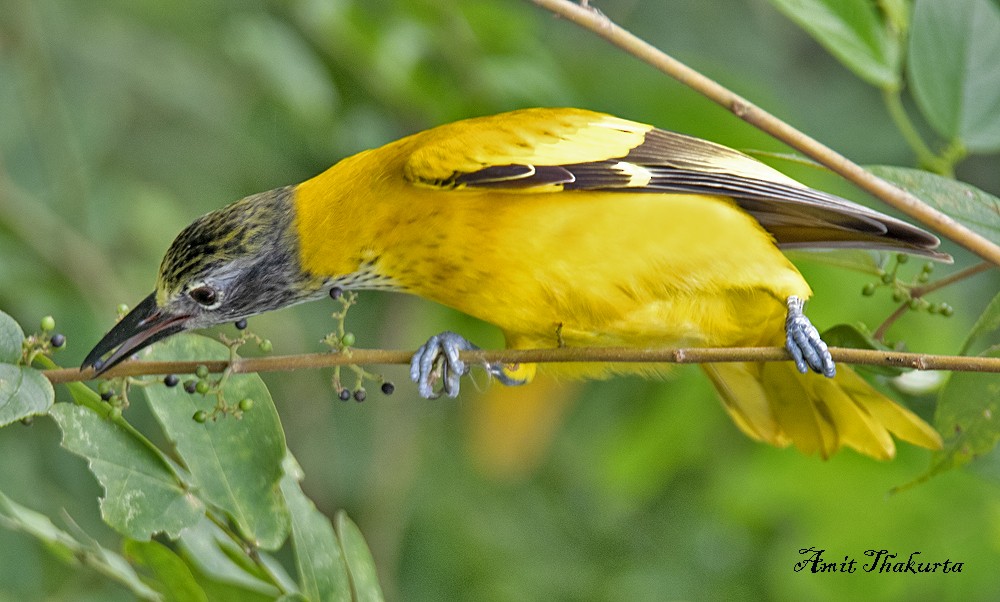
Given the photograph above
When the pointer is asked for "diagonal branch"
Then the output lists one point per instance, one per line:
(285, 363)
(593, 20)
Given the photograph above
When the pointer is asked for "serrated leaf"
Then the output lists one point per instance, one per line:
(360, 564)
(318, 557)
(142, 496)
(954, 70)
(973, 208)
(968, 414)
(69, 549)
(985, 332)
(856, 336)
(236, 463)
(23, 392)
(171, 575)
(11, 337)
(852, 31)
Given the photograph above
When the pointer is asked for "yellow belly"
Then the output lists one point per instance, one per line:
(586, 268)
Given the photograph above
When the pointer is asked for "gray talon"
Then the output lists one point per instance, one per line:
(437, 359)
(804, 343)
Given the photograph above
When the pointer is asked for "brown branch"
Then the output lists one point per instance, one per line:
(285, 363)
(596, 22)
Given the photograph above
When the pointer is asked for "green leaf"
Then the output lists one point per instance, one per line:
(973, 208)
(235, 463)
(986, 331)
(857, 336)
(968, 414)
(318, 557)
(69, 549)
(954, 69)
(852, 31)
(171, 575)
(213, 554)
(142, 496)
(23, 392)
(11, 337)
(360, 564)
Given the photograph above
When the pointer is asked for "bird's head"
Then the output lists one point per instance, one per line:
(235, 262)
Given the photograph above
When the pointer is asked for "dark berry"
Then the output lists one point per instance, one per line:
(360, 395)
(336, 292)
(344, 395)
(388, 388)
(171, 380)
(190, 385)
(107, 395)
(241, 324)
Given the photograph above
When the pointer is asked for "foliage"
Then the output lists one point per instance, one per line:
(124, 121)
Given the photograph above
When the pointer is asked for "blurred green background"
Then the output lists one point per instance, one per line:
(121, 121)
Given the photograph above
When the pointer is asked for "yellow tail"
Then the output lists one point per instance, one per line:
(773, 402)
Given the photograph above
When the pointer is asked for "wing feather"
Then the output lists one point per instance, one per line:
(546, 150)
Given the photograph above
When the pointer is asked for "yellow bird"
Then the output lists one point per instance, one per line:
(561, 227)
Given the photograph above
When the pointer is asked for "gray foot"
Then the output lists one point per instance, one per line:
(803, 342)
(437, 359)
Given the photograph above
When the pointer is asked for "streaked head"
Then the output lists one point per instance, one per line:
(235, 262)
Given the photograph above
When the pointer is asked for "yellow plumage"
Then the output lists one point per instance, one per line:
(561, 227)
(589, 267)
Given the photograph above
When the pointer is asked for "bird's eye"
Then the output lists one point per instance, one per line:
(204, 295)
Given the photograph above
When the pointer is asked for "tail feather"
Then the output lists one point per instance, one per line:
(773, 403)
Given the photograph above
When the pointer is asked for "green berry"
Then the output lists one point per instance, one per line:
(947, 310)
(928, 268)
(122, 308)
(201, 387)
(902, 258)
(388, 388)
(266, 346)
(360, 394)
(897, 296)
(190, 385)
(246, 404)
(115, 413)
(868, 290)
(28, 420)
(58, 340)
(171, 380)
(344, 395)
(923, 277)
(241, 324)
(48, 324)
(914, 303)
(348, 339)
(200, 416)
(887, 278)
(201, 371)
(103, 387)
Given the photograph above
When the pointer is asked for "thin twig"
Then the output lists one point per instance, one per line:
(919, 291)
(285, 363)
(598, 23)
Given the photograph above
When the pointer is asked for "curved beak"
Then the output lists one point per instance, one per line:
(143, 326)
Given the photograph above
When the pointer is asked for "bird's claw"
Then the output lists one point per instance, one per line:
(437, 360)
(804, 343)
